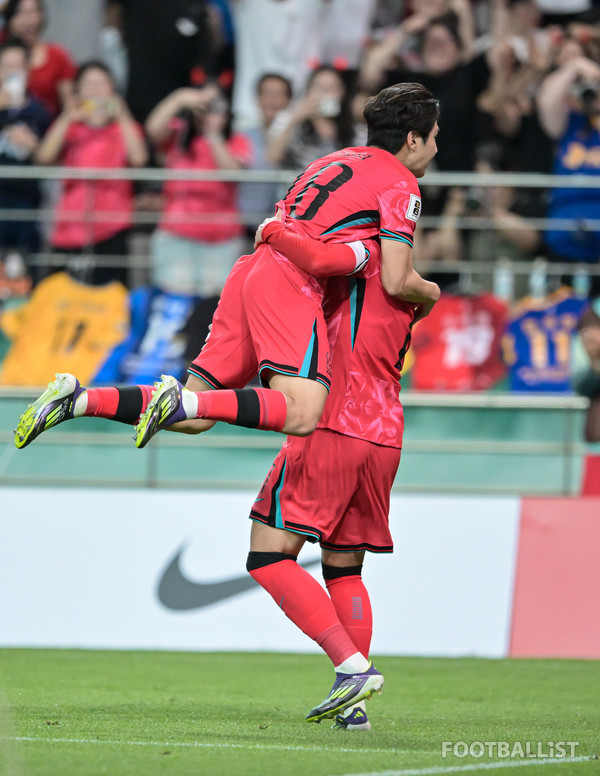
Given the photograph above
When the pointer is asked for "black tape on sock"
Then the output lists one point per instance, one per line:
(336, 572)
(256, 560)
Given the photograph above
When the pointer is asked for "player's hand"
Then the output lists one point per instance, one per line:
(258, 240)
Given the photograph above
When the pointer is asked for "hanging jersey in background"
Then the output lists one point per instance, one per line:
(156, 342)
(537, 343)
(458, 346)
(66, 326)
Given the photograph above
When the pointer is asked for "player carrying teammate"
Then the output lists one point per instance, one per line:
(334, 486)
(270, 317)
(402, 123)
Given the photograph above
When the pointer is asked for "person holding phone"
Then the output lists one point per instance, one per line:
(320, 123)
(23, 121)
(93, 217)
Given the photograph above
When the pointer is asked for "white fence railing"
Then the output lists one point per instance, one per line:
(466, 223)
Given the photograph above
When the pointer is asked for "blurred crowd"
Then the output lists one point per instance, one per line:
(231, 85)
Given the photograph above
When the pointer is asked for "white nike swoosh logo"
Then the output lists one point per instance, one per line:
(178, 593)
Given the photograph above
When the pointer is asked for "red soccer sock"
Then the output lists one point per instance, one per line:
(353, 606)
(249, 407)
(307, 605)
(122, 404)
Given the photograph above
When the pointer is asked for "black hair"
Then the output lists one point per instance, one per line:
(15, 43)
(92, 64)
(344, 122)
(398, 110)
(449, 21)
(11, 8)
(285, 81)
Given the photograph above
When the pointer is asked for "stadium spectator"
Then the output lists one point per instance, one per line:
(569, 106)
(273, 94)
(321, 122)
(445, 66)
(507, 234)
(94, 216)
(169, 44)
(200, 235)
(51, 70)
(272, 37)
(510, 101)
(343, 33)
(509, 210)
(23, 121)
(401, 45)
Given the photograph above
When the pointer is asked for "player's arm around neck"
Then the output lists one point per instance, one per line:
(400, 279)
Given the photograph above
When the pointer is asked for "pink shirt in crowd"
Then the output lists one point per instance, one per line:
(43, 81)
(82, 201)
(203, 210)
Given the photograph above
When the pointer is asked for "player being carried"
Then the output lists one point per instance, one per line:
(270, 321)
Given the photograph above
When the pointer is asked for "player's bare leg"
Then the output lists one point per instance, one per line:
(265, 538)
(305, 402)
(342, 574)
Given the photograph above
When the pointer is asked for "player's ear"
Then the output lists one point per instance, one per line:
(412, 140)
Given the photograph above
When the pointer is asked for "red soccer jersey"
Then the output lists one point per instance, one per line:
(369, 335)
(374, 195)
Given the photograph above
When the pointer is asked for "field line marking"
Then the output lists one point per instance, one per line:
(443, 769)
(201, 745)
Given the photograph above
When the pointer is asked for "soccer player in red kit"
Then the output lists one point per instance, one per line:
(268, 321)
(334, 486)
(270, 316)
(362, 438)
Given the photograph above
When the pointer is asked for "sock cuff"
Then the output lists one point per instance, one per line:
(257, 560)
(336, 572)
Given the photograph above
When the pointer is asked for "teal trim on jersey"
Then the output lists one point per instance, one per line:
(356, 222)
(278, 517)
(305, 368)
(396, 237)
(295, 530)
(352, 300)
(291, 374)
(278, 370)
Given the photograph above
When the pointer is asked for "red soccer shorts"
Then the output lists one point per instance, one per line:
(333, 488)
(263, 323)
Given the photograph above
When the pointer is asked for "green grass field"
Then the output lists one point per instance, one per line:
(88, 713)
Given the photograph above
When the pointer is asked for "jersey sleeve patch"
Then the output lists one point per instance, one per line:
(399, 209)
(413, 211)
